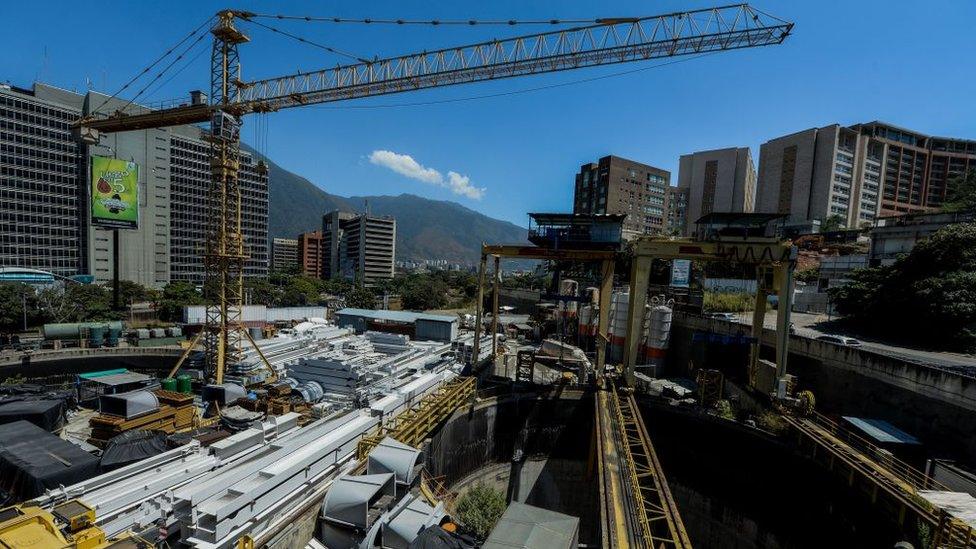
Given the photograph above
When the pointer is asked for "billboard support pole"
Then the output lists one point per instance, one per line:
(116, 298)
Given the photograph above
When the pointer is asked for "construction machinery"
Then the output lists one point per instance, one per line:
(68, 525)
(601, 42)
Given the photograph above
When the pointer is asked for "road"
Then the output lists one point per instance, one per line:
(810, 325)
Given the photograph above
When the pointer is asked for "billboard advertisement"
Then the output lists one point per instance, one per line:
(680, 273)
(114, 192)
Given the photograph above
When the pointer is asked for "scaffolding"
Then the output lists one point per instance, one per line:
(413, 426)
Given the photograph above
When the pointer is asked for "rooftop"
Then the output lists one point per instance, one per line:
(395, 316)
(533, 528)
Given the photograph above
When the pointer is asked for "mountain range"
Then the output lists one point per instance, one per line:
(426, 228)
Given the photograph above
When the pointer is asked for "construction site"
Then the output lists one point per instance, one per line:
(619, 417)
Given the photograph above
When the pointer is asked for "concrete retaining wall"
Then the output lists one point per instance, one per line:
(934, 405)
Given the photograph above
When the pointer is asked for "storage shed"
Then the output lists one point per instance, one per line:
(419, 326)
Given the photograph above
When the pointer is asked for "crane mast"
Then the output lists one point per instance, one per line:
(608, 41)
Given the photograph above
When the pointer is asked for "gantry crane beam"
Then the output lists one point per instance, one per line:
(610, 41)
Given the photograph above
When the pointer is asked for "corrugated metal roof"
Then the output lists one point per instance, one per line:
(881, 430)
(121, 379)
(533, 528)
(395, 316)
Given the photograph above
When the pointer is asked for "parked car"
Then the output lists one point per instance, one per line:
(728, 317)
(839, 340)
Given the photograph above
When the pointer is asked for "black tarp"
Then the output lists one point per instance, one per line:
(33, 460)
(132, 446)
(46, 414)
(435, 537)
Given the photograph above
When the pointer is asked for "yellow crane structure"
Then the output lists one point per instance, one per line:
(600, 42)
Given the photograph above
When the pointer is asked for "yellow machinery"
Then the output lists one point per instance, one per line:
(68, 525)
(605, 41)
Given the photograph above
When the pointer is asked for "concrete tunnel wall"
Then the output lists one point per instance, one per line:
(555, 435)
(934, 405)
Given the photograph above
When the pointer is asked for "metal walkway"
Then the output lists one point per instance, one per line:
(636, 506)
(886, 480)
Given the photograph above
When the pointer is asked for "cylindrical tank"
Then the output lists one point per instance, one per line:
(256, 333)
(96, 335)
(168, 384)
(71, 330)
(657, 335)
(568, 287)
(184, 383)
(618, 324)
(112, 336)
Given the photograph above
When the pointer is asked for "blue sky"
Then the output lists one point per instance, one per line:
(904, 62)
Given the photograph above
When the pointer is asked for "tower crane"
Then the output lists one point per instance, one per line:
(604, 42)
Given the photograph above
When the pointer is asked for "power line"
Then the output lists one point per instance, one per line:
(309, 42)
(514, 92)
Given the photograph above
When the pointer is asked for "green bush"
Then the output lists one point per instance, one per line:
(734, 302)
(480, 508)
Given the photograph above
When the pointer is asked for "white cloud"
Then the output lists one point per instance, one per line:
(461, 184)
(405, 165)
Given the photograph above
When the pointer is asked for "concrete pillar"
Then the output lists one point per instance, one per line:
(758, 318)
(476, 349)
(784, 287)
(639, 272)
(606, 293)
(496, 279)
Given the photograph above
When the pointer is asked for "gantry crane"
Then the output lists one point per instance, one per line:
(603, 42)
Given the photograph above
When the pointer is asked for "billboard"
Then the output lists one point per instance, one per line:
(114, 192)
(680, 273)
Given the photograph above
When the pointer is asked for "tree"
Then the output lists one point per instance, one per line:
(175, 296)
(961, 193)
(133, 292)
(833, 222)
(13, 297)
(300, 290)
(928, 295)
(56, 305)
(360, 297)
(423, 293)
(480, 508)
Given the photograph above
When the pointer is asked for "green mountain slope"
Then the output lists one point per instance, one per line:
(426, 229)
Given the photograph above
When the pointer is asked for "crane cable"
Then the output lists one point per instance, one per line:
(153, 64)
(309, 42)
(433, 22)
(162, 72)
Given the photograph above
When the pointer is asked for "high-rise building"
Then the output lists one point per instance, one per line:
(45, 212)
(41, 208)
(676, 206)
(858, 173)
(616, 185)
(359, 247)
(284, 254)
(310, 253)
(722, 180)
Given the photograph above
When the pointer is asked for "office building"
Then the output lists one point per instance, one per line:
(359, 247)
(722, 180)
(284, 254)
(616, 185)
(310, 253)
(676, 207)
(858, 173)
(892, 237)
(41, 210)
(45, 212)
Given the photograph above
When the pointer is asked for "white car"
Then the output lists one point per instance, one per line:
(728, 317)
(840, 340)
